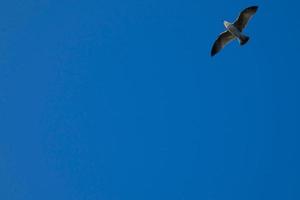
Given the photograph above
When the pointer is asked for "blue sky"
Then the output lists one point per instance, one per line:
(120, 100)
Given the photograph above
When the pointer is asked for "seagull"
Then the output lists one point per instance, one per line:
(234, 30)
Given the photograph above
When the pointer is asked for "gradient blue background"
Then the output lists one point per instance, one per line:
(120, 100)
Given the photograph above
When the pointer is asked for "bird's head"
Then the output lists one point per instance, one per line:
(226, 23)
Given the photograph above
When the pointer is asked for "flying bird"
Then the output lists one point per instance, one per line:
(234, 30)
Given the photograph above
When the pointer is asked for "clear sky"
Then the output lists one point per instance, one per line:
(120, 100)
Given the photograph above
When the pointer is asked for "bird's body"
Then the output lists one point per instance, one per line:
(236, 33)
(234, 30)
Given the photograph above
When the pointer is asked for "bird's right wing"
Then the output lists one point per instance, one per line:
(244, 17)
(223, 39)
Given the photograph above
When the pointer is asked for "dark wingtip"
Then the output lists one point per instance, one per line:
(254, 8)
(212, 53)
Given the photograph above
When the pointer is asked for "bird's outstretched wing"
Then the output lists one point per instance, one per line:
(244, 17)
(223, 39)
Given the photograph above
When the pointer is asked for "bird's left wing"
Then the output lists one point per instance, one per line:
(244, 17)
(223, 39)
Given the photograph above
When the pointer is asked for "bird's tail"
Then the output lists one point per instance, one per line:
(244, 39)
